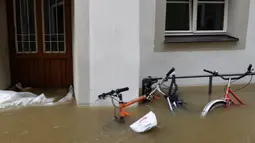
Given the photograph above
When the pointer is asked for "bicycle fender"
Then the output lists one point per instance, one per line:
(209, 105)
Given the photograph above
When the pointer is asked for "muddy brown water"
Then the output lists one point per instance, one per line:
(71, 124)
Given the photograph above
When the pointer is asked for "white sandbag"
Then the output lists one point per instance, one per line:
(41, 100)
(6, 96)
(145, 123)
(26, 101)
(10, 96)
(11, 99)
(68, 97)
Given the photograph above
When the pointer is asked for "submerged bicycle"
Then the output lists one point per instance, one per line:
(149, 96)
(172, 97)
(226, 101)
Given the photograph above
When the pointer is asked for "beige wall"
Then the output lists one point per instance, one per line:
(4, 55)
(190, 59)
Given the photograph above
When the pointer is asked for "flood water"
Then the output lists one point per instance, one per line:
(71, 124)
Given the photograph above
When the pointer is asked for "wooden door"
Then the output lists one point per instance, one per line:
(40, 42)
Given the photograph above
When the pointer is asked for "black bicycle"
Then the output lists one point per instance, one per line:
(172, 97)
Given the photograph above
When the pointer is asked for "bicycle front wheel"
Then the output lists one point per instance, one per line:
(212, 106)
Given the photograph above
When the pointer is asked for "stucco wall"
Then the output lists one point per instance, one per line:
(106, 48)
(114, 47)
(81, 55)
(4, 55)
(191, 59)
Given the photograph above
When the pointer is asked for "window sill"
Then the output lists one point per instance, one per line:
(199, 38)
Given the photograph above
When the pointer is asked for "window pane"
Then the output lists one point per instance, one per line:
(46, 14)
(20, 47)
(19, 37)
(177, 16)
(60, 19)
(54, 20)
(24, 15)
(18, 17)
(32, 46)
(210, 16)
(26, 46)
(31, 16)
(32, 38)
(61, 46)
(25, 38)
(54, 31)
(47, 38)
(54, 38)
(47, 46)
(61, 38)
(54, 46)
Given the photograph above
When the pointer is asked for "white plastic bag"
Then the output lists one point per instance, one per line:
(145, 123)
(10, 96)
(11, 99)
(68, 97)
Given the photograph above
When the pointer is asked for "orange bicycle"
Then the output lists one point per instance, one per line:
(117, 96)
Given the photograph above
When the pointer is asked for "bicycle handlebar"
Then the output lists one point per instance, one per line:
(249, 69)
(170, 71)
(208, 71)
(154, 80)
(117, 91)
(121, 90)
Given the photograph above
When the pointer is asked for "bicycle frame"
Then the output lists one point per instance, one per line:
(158, 88)
(123, 104)
(168, 96)
(227, 97)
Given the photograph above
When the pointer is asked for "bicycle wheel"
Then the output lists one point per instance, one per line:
(213, 106)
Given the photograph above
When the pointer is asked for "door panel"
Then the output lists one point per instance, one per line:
(40, 42)
(56, 72)
(28, 71)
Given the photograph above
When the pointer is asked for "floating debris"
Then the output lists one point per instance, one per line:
(5, 133)
(23, 133)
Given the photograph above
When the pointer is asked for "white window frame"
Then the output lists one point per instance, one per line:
(193, 5)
